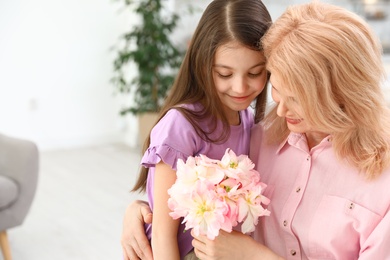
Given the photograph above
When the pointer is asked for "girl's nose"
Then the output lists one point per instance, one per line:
(240, 85)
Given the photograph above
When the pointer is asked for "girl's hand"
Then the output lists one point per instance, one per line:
(135, 244)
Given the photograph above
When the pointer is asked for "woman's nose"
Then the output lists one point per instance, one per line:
(282, 109)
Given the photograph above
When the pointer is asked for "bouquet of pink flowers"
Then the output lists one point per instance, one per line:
(217, 194)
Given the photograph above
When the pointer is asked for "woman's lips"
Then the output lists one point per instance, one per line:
(293, 121)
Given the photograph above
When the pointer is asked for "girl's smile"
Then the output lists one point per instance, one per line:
(242, 99)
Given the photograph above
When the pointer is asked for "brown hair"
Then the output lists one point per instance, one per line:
(244, 21)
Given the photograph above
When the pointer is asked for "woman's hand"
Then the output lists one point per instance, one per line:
(135, 244)
(234, 245)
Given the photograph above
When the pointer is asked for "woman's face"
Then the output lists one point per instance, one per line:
(239, 76)
(290, 109)
(288, 106)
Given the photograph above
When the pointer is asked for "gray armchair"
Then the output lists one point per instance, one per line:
(19, 160)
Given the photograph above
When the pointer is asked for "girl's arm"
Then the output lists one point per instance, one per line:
(234, 245)
(164, 227)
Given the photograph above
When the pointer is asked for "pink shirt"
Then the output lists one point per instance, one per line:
(321, 207)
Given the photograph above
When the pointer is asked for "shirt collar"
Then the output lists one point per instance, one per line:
(299, 141)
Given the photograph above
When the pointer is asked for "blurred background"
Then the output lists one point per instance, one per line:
(56, 62)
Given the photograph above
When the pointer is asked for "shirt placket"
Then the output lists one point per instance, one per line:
(293, 250)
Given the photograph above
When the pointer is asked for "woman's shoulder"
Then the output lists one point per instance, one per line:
(258, 128)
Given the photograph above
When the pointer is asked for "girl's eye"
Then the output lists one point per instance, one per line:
(224, 75)
(257, 74)
(253, 75)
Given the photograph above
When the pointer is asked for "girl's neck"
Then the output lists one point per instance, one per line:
(234, 118)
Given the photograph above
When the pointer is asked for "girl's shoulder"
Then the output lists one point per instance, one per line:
(171, 138)
(247, 117)
(173, 119)
(175, 111)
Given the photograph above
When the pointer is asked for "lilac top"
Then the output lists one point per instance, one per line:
(174, 137)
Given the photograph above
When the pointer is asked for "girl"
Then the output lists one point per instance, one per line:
(207, 109)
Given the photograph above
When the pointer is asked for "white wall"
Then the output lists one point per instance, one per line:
(55, 66)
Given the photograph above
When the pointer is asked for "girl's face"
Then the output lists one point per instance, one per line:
(239, 76)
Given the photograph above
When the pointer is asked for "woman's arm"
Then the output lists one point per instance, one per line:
(234, 245)
(376, 246)
(134, 242)
(164, 227)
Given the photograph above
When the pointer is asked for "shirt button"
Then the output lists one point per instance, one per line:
(285, 223)
(298, 189)
(308, 158)
(293, 252)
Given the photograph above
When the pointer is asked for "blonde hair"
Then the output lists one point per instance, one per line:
(331, 60)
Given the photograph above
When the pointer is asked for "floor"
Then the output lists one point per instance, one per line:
(78, 209)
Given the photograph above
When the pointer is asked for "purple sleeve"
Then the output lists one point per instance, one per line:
(172, 138)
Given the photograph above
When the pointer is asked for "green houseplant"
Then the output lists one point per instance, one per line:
(149, 46)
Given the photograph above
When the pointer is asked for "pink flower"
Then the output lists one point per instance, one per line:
(206, 212)
(250, 208)
(212, 195)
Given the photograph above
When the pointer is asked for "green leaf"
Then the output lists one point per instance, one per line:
(154, 53)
